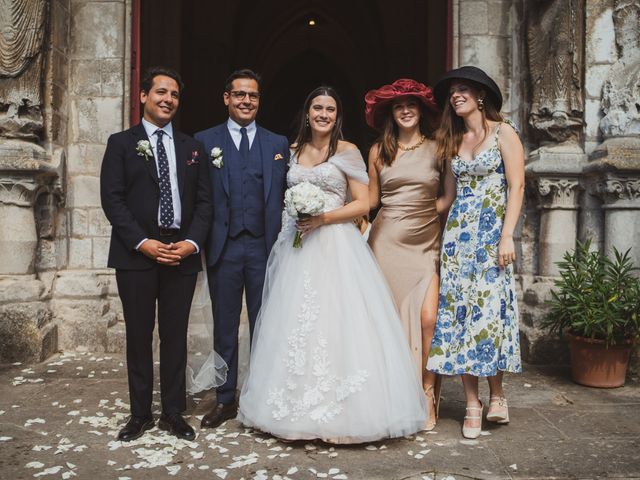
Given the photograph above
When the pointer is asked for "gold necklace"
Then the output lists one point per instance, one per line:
(412, 147)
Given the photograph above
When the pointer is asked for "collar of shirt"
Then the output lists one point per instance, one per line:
(150, 128)
(234, 130)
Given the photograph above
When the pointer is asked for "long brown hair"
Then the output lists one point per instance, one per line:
(304, 130)
(387, 142)
(452, 128)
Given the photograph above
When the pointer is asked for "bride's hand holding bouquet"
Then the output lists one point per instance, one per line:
(304, 202)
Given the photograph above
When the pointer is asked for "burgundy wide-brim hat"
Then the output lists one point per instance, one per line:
(441, 90)
(377, 100)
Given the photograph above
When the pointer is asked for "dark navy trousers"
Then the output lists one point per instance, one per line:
(241, 268)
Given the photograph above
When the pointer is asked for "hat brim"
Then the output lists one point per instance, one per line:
(474, 74)
(376, 117)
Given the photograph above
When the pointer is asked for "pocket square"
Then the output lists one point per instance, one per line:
(278, 157)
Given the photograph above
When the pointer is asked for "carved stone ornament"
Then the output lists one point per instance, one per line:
(558, 192)
(614, 189)
(22, 31)
(621, 90)
(555, 45)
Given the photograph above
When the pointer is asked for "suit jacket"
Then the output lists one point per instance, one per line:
(130, 194)
(274, 152)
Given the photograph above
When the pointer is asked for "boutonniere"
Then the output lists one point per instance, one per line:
(195, 155)
(143, 148)
(216, 157)
(278, 157)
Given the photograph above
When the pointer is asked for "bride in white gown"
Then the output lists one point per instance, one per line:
(329, 358)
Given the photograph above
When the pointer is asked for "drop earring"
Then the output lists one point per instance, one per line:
(307, 120)
(480, 104)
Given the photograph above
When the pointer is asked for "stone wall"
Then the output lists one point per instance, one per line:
(83, 302)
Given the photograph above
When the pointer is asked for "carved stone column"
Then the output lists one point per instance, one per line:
(616, 177)
(25, 328)
(555, 176)
(615, 165)
(558, 220)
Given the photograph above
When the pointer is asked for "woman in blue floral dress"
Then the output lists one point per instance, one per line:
(476, 332)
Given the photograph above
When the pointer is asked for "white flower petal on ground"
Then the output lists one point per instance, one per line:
(197, 455)
(342, 476)
(371, 447)
(34, 465)
(49, 471)
(513, 466)
(333, 471)
(292, 470)
(41, 448)
(261, 475)
(173, 469)
(244, 460)
(5, 439)
(220, 472)
(32, 421)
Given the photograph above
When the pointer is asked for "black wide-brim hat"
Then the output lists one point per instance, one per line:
(441, 90)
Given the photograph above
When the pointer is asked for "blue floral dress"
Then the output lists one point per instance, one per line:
(477, 327)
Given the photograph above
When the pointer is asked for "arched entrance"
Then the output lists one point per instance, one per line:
(295, 46)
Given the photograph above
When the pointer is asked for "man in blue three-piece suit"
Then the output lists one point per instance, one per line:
(248, 167)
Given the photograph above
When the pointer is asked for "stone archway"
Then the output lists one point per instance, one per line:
(295, 46)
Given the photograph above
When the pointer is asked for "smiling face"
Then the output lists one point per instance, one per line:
(463, 98)
(322, 114)
(161, 102)
(243, 101)
(406, 112)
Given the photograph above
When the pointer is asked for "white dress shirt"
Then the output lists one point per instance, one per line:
(236, 136)
(167, 140)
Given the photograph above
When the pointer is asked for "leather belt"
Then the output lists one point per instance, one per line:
(168, 232)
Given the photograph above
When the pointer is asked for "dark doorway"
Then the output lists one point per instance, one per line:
(296, 46)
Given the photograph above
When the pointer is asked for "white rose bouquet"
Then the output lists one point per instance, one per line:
(303, 200)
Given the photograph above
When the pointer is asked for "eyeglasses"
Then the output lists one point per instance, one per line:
(241, 95)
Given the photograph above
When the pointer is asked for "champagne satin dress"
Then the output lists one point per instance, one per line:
(405, 235)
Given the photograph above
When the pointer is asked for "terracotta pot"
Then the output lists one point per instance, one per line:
(594, 365)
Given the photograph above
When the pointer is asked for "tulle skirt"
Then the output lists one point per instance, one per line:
(329, 357)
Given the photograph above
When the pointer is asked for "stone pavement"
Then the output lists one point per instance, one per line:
(59, 419)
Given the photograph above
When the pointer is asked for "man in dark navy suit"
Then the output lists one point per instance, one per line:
(155, 191)
(248, 167)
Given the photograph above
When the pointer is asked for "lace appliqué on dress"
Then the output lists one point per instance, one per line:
(320, 401)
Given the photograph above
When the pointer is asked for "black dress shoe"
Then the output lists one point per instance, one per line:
(218, 415)
(176, 425)
(134, 428)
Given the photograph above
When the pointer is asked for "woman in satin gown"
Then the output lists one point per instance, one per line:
(404, 175)
(329, 359)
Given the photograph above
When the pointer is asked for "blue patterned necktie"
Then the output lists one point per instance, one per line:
(244, 144)
(166, 200)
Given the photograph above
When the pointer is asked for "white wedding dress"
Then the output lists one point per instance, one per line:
(329, 358)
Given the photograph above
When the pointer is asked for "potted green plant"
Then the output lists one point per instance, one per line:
(596, 301)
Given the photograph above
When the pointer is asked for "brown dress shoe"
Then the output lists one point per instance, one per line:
(218, 415)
